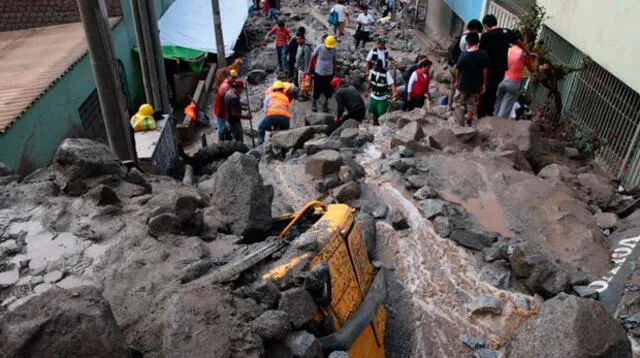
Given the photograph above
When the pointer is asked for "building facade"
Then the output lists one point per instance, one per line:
(68, 105)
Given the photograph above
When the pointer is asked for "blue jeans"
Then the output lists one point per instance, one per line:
(221, 124)
(283, 61)
(272, 123)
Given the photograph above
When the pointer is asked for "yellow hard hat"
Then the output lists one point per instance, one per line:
(146, 110)
(278, 85)
(233, 73)
(330, 42)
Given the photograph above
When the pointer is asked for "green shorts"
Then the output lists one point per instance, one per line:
(378, 107)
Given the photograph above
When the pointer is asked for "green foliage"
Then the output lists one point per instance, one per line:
(531, 23)
(586, 141)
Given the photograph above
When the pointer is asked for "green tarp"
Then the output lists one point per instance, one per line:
(194, 58)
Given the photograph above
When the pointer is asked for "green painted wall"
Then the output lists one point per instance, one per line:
(31, 142)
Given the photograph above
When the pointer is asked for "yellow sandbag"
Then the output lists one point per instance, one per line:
(143, 123)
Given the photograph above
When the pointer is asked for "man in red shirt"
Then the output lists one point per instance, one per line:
(219, 109)
(283, 35)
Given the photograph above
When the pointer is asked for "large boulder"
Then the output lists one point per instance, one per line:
(570, 327)
(205, 321)
(257, 76)
(63, 323)
(241, 199)
(505, 134)
(78, 158)
(318, 118)
(324, 163)
(295, 138)
(313, 146)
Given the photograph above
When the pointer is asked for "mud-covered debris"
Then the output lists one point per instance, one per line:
(484, 353)
(473, 342)
(565, 328)
(316, 145)
(299, 305)
(425, 192)
(380, 211)
(297, 137)
(257, 76)
(164, 224)
(59, 322)
(318, 118)
(398, 220)
(586, 291)
(484, 304)
(472, 240)
(330, 182)
(231, 270)
(271, 324)
(347, 192)
(346, 174)
(240, 198)
(607, 220)
(403, 164)
(496, 275)
(431, 208)
(303, 345)
(264, 292)
(324, 163)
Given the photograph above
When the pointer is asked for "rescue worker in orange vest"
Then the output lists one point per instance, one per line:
(418, 87)
(278, 115)
(290, 90)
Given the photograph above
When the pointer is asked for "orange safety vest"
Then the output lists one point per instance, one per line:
(279, 105)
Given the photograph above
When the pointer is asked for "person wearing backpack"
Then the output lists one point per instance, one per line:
(340, 19)
(381, 85)
(457, 47)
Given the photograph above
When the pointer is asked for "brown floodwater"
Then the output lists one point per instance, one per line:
(485, 208)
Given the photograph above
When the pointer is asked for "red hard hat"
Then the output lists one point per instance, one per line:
(336, 82)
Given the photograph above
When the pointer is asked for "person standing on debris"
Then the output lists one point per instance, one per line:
(496, 42)
(303, 59)
(219, 109)
(472, 72)
(234, 108)
(278, 113)
(340, 9)
(380, 52)
(282, 39)
(381, 84)
(418, 87)
(323, 65)
(348, 97)
(363, 31)
(292, 52)
(510, 88)
(458, 47)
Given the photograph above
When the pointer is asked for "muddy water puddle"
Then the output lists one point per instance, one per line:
(485, 208)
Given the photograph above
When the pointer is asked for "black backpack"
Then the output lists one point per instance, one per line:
(454, 52)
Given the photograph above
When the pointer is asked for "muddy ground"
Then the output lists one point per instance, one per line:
(494, 241)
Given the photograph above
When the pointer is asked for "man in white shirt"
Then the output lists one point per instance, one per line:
(342, 12)
(378, 53)
(364, 26)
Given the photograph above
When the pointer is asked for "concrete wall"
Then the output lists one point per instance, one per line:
(604, 30)
(438, 24)
(31, 141)
(25, 14)
(468, 10)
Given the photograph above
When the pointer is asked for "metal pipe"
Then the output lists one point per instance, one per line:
(151, 56)
(142, 51)
(159, 59)
(105, 72)
(217, 28)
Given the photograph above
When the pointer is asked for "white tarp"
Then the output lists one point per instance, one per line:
(189, 23)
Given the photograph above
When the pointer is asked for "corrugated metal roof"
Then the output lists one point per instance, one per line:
(32, 60)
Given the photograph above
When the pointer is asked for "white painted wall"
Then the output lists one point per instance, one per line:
(605, 30)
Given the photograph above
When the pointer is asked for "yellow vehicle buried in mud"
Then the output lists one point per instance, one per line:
(328, 241)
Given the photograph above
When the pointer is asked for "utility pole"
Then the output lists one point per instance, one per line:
(107, 77)
(217, 28)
